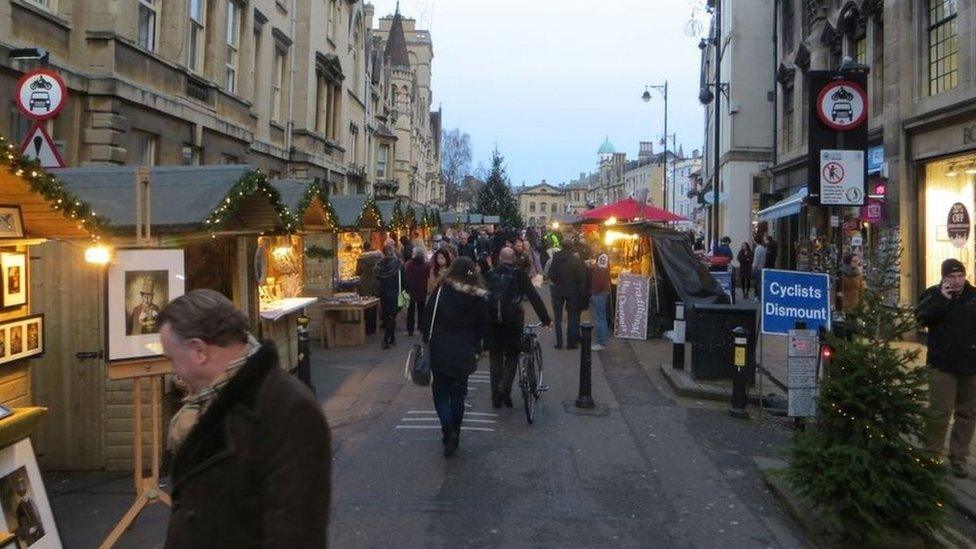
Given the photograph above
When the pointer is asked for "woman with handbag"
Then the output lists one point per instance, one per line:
(455, 318)
(389, 273)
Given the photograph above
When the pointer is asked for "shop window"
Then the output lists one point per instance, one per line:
(198, 35)
(943, 43)
(147, 25)
(946, 184)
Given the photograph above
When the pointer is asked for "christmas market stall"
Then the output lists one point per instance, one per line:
(358, 220)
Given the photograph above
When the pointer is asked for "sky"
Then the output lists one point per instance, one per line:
(548, 80)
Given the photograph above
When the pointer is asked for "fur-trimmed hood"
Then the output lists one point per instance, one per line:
(467, 288)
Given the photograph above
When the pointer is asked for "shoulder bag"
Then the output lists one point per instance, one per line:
(417, 368)
(403, 297)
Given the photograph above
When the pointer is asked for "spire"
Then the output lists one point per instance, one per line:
(396, 44)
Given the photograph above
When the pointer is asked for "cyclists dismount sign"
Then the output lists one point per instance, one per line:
(41, 94)
(842, 105)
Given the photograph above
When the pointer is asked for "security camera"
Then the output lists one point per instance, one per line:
(705, 96)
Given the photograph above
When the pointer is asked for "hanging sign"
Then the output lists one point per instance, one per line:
(873, 211)
(842, 105)
(841, 178)
(41, 94)
(39, 146)
(633, 297)
(958, 224)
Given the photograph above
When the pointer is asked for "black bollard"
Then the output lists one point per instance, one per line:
(678, 346)
(585, 398)
(304, 359)
(740, 348)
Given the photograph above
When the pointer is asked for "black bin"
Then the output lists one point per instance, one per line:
(710, 329)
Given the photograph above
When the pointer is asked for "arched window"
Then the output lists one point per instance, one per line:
(532, 206)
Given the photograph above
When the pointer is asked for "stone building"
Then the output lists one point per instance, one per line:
(539, 203)
(281, 85)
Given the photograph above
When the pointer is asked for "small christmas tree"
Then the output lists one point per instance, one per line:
(495, 196)
(859, 463)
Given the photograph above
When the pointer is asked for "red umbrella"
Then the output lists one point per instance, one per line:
(629, 208)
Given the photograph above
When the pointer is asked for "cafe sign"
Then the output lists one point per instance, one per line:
(958, 224)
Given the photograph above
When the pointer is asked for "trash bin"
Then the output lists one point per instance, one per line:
(710, 327)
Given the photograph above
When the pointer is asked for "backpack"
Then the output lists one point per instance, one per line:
(504, 297)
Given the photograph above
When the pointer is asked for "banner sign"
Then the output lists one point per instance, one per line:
(633, 297)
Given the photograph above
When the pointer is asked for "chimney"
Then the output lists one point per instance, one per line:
(646, 150)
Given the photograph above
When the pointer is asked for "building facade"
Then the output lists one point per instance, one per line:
(292, 88)
(539, 203)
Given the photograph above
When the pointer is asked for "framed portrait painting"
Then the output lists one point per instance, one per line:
(13, 269)
(26, 511)
(11, 222)
(140, 283)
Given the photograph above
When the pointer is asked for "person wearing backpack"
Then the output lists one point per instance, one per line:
(508, 286)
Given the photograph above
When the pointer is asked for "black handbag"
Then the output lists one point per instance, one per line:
(418, 361)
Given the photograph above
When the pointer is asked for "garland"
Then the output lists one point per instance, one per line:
(397, 221)
(316, 188)
(369, 205)
(410, 216)
(48, 186)
(252, 182)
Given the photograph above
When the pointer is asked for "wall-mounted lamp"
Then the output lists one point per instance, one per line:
(98, 255)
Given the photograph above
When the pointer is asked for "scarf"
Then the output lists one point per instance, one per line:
(196, 404)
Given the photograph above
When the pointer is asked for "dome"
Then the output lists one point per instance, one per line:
(606, 147)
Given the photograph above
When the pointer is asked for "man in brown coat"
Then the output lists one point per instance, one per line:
(251, 451)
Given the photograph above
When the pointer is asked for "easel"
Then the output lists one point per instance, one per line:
(147, 488)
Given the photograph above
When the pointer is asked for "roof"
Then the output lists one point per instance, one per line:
(349, 208)
(183, 197)
(307, 201)
(396, 45)
(607, 147)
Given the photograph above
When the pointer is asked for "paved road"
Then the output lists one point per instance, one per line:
(648, 473)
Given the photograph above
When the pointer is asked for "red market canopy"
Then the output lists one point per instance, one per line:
(629, 208)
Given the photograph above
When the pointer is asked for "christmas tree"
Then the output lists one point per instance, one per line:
(859, 463)
(495, 196)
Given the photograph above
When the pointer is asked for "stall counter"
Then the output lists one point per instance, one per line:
(279, 323)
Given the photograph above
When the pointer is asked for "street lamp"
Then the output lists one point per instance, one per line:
(647, 99)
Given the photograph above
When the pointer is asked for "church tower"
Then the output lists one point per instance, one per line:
(402, 84)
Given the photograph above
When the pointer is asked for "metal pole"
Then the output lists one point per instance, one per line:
(585, 398)
(665, 167)
(680, 328)
(718, 136)
(304, 356)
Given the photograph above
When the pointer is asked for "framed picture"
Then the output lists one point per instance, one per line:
(21, 338)
(26, 510)
(13, 276)
(140, 283)
(11, 222)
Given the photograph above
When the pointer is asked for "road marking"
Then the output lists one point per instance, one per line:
(465, 413)
(485, 429)
(436, 419)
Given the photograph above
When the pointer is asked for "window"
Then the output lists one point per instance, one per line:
(46, 4)
(788, 106)
(789, 19)
(19, 125)
(198, 34)
(554, 208)
(233, 44)
(532, 221)
(356, 69)
(321, 102)
(190, 155)
(877, 68)
(382, 157)
(147, 25)
(861, 50)
(354, 135)
(229, 159)
(333, 16)
(943, 45)
(143, 152)
(532, 206)
(278, 68)
(542, 206)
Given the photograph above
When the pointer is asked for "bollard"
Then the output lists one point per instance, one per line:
(678, 347)
(740, 398)
(585, 398)
(304, 359)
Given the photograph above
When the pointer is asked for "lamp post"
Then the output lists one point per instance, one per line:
(647, 98)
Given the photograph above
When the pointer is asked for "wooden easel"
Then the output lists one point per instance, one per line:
(147, 488)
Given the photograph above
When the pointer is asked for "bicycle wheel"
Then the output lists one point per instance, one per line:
(528, 392)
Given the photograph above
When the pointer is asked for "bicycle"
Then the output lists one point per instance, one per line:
(530, 370)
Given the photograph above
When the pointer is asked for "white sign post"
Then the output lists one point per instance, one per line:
(841, 178)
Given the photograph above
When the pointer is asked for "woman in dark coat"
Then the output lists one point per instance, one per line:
(458, 310)
(389, 272)
(417, 272)
(745, 258)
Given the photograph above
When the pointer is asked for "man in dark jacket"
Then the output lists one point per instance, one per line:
(389, 272)
(948, 310)
(251, 447)
(466, 248)
(508, 287)
(567, 273)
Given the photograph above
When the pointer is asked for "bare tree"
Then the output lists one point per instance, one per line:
(455, 163)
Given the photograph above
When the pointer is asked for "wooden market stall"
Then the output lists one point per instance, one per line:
(216, 215)
(358, 220)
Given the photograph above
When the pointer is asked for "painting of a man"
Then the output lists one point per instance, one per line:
(18, 504)
(32, 336)
(146, 293)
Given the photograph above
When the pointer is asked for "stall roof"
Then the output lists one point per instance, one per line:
(451, 218)
(307, 202)
(348, 210)
(491, 219)
(184, 198)
(788, 206)
(386, 210)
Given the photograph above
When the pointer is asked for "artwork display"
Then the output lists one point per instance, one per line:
(140, 283)
(26, 510)
(21, 338)
(13, 270)
(11, 222)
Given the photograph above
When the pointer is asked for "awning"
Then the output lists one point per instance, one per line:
(788, 206)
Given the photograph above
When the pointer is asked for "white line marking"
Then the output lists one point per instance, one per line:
(480, 421)
(465, 413)
(420, 419)
(487, 429)
(480, 414)
(419, 427)
(421, 412)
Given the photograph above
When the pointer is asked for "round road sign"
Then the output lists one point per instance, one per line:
(842, 105)
(41, 94)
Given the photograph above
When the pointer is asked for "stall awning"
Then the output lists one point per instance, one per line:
(788, 206)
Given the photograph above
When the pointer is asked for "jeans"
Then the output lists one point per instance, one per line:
(418, 306)
(572, 319)
(503, 354)
(598, 310)
(449, 393)
(952, 395)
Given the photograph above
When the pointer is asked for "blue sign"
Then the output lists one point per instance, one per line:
(875, 158)
(789, 297)
(724, 279)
